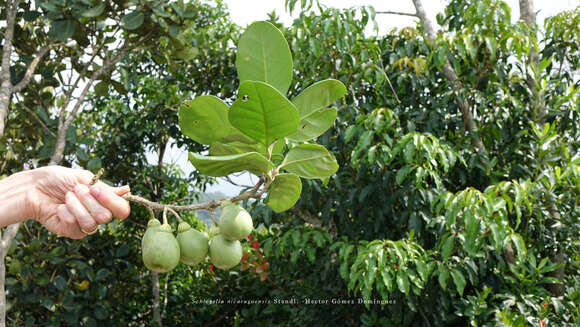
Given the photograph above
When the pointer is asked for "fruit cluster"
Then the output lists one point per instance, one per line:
(162, 251)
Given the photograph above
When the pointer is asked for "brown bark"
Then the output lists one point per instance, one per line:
(31, 68)
(451, 75)
(528, 16)
(156, 306)
(5, 94)
(6, 240)
(5, 83)
(557, 289)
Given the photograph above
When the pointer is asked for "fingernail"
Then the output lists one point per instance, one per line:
(96, 191)
(126, 188)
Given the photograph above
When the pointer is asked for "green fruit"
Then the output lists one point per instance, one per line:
(193, 244)
(235, 222)
(161, 250)
(225, 254)
(152, 227)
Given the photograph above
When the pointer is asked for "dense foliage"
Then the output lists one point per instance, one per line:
(418, 224)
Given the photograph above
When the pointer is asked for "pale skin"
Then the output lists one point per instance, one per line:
(62, 200)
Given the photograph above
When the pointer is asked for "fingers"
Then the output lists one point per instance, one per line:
(120, 191)
(111, 199)
(68, 224)
(100, 214)
(81, 214)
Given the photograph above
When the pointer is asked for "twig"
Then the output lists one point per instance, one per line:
(42, 124)
(251, 194)
(212, 216)
(165, 215)
(390, 84)
(151, 213)
(174, 213)
(31, 68)
(397, 13)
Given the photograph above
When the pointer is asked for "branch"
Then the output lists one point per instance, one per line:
(7, 238)
(5, 83)
(64, 125)
(451, 75)
(397, 13)
(254, 193)
(31, 68)
(33, 114)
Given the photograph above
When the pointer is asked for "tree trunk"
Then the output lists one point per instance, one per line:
(157, 196)
(449, 72)
(528, 16)
(5, 95)
(156, 302)
(6, 240)
(5, 82)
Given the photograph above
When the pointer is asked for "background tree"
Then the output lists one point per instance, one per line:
(87, 40)
(418, 216)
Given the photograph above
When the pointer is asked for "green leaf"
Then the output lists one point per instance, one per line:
(284, 192)
(94, 164)
(447, 247)
(94, 11)
(520, 245)
(174, 30)
(262, 113)
(31, 15)
(59, 282)
(62, 29)
(314, 125)
(422, 270)
(402, 174)
(235, 147)
(205, 119)
(187, 54)
(403, 282)
(459, 281)
(310, 161)
(318, 96)
(102, 88)
(264, 55)
(387, 279)
(102, 274)
(133, 20)
(225, 165)
(443, 276)
(82, 154)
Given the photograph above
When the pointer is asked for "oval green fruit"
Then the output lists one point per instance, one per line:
(152, 227)
(161, 250)
(235, 222)
(225, 254)
(193, 244)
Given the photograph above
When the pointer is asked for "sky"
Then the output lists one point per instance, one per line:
(244, 12)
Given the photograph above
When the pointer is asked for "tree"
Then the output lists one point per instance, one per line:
(416, 221)
(86, 48)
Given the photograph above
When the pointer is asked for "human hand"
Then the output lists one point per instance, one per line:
(64, 203)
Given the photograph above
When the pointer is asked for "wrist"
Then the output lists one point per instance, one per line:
(16, 198)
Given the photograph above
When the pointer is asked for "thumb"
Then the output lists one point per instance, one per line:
(120, 191)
